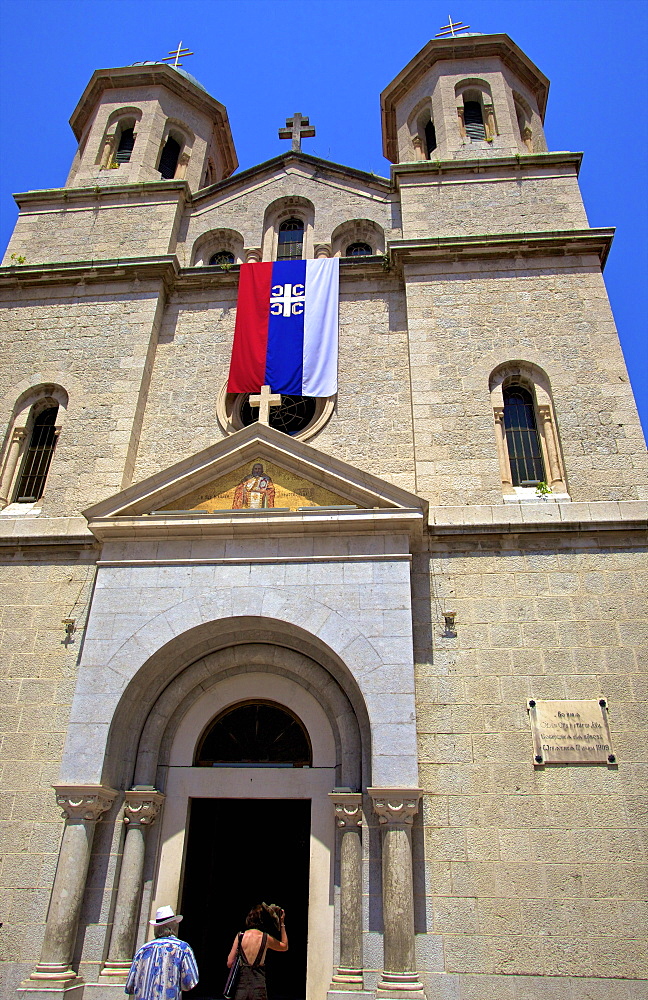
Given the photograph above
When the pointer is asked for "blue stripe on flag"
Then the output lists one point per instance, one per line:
(285, 355)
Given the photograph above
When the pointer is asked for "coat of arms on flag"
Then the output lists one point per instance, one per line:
(286, 333)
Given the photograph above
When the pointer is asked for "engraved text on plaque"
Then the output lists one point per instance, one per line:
(570, 732)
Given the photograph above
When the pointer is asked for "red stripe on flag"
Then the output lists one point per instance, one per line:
(247, 367)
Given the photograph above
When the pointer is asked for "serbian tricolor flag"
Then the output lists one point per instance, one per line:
(286, 333)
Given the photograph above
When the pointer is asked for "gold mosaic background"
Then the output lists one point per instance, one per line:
(290, 490)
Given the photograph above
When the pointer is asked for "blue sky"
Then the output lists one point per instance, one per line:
(329, 59)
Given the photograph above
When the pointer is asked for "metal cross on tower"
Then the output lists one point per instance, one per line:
(297, 128)
(448, 30)
(175, 55)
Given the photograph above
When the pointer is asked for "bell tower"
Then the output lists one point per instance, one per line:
(149, 122)
(464, 97)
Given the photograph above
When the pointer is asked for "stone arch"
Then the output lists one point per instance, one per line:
(279, 211)
(536, 381)
(214, 240)
(350, 734)
(357, 231)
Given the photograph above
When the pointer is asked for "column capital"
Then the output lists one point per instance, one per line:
(141, 806)
(84, 802)
(322, 250)
(396, 806)
(348, 808)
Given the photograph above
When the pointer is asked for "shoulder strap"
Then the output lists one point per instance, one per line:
(262, 947)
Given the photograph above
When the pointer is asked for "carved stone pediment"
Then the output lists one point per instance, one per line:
(256, 474)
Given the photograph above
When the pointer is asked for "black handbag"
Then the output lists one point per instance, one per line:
(232, 976)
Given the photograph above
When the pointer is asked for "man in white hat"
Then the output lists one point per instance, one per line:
(165, 967)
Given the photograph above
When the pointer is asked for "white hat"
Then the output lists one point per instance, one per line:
(165, 915)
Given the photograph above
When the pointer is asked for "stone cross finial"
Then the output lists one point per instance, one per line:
(297, 128)
(264, 400)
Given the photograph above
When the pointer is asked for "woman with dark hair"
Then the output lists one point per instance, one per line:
(265, 928)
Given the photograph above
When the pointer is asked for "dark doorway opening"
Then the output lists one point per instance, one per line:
(241, 852)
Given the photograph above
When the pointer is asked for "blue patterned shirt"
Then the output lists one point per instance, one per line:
(161, 969)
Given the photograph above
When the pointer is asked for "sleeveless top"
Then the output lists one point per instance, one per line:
(252, 976)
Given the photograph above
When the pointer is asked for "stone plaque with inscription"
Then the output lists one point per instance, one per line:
(570, 732)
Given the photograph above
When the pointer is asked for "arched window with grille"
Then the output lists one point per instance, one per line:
(169, 158)
(255, 734)
(430, 138)
(38, 458)
(125, 145)
(522, 439)
(474, 120)
(222, 258)
(358, 250)
(290, 244)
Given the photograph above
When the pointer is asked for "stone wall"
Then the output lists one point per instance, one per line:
(92, 224)
(533, 871)
(39, 586)
(507, 198)
(464, 320)
(371, 426)
(94, 340)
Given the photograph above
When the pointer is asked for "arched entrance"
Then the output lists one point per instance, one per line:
(243, 831)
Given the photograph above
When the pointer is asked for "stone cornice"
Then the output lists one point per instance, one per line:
(98, 192)
(561, 243)
(266, 523)
(164, 268)
(487, 164)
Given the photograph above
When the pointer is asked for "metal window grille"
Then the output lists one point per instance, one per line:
(221, 257)
(525, 454)
(291, 240)
(430, 138)
(293, 415)
(125, 147)
(259, 734)
(474, 120)
(169, 159)
(39, 456)
(358, 250)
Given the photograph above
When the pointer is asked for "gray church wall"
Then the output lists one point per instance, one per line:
(39, 586)
(509, 199)
(101, 337)
(371, 425)
(532, 871)
(97, 224)
(242, 206)
(467, 318)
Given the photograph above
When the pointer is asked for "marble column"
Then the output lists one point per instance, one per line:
(13, 454)
(396, 808)
(141, 807)
(348, 817)
(82, 806)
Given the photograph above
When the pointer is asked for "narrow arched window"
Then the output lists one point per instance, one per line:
(169, 159)
(525, 453)
(291, 240)
(474, 120)
(358, 250)
(125, 145)
(430, 138)
(221, 257)
(39, 456)
(255, 734)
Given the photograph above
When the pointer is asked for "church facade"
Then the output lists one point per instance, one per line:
(344, 654)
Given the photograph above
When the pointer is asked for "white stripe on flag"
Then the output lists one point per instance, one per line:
(321, 327)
